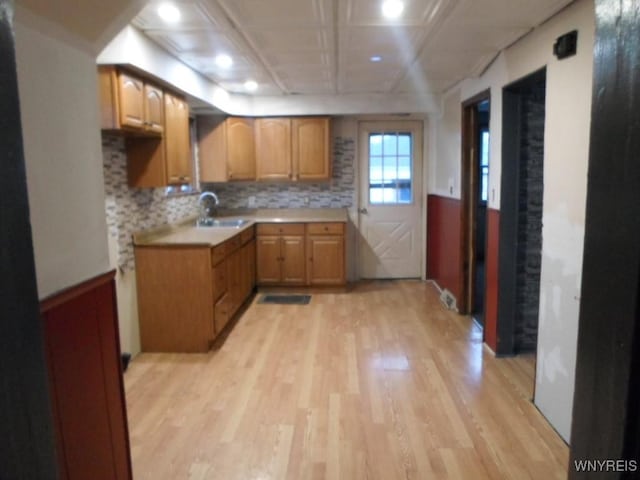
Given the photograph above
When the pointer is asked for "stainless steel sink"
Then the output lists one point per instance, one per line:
(213, 222)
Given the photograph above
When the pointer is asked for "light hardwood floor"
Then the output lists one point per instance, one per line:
(378, 383)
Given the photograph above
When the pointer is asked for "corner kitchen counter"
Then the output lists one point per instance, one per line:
(191, 281)
(186, 233)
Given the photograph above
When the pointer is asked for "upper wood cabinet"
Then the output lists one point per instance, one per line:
(310, 148)
(227, 149)
(273, 149)
(129, 103)
(241, 149)
(293, 149)
(177, 147)
(156, 124)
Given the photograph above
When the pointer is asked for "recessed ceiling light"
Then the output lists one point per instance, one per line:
(250, 85)
(224, 61)
(169, 13)
(392, 9)
(376, 58)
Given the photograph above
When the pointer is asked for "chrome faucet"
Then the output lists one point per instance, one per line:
(207, 211)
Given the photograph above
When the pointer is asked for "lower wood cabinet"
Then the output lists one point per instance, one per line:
(325, 254)
(188, 293)
(280, 251)
(83, 357)
(300, 254)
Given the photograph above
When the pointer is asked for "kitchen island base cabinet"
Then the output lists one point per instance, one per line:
(187, 294)
(175, 298)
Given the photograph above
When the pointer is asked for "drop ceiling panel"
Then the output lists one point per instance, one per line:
(255, 13)
(292, 39)
(206, 41)
(524, 13)
(325, 46)
(193, 16)
(366, 12)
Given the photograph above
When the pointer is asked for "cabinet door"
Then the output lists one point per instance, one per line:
(310, 144)
(293, 263)
(212, 148)
(326, 260)
(273, 149)
(153, 109)
(268, 259)
(131, 90)
(234, 280)
(176, 138)
(241, 149)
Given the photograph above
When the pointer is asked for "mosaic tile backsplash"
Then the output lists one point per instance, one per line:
(338, 193)
(130, 210)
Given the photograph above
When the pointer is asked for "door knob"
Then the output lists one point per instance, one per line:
(363, 211)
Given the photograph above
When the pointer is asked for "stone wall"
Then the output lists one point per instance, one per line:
(531, 185)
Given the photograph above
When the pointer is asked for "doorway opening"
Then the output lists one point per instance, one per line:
(475, 195)
(520, 253)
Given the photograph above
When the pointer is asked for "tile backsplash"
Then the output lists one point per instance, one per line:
(338, 193)
(130, 210)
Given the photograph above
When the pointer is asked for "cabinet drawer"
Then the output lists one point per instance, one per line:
(323, 228)
(247, 235)
(281, 229)
(219, 278)
(222, 312)
(233, 244)
(218, 253)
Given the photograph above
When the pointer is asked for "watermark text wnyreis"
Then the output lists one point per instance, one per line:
(605, 465)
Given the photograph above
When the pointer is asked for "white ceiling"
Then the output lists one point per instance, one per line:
(320, 47)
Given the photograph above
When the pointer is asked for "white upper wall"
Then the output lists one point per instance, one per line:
(61, 135)
(567, 130)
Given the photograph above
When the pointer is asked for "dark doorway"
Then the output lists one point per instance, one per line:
(27, 448)
(606, 404)
(475, 181)
(521, 214)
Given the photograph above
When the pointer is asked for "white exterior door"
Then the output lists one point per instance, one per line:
(390, 213)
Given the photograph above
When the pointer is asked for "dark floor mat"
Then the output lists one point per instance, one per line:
(285, 299)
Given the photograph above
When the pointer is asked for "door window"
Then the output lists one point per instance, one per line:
(390, 168)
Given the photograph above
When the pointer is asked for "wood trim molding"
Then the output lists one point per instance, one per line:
(72, 292)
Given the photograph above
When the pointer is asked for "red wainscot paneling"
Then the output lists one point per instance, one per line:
(83, 356)
(491, 289)
(443, 243)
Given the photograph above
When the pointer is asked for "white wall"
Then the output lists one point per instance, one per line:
(568, 105)
(61, 134)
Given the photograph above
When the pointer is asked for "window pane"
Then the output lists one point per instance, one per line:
(390, 169)
(404, 144)
(375, 170)
(375, 195)
(375, 144)
(390, 144)
(484, 155)
(404, 168)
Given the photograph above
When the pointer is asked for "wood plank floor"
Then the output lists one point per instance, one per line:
(378, 383)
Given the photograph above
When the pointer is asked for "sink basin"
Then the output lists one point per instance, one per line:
(213, 222)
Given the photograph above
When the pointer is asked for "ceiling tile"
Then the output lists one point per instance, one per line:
(292, 39)
(366, 12)
(194, 15)
(307, 13)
